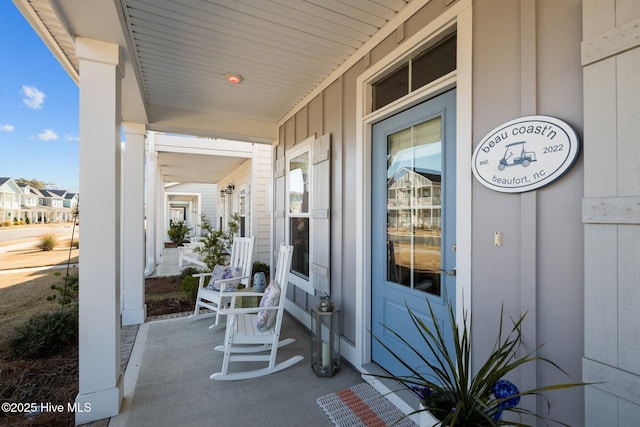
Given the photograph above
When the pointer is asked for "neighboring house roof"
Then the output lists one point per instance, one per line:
(51, 193)
(36, 192)
(431, 175)
(60, 193)
(9, 183)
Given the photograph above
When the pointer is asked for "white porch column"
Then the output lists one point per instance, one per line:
(100, 388)
(151, 173)
(134, 309)
(161, 207)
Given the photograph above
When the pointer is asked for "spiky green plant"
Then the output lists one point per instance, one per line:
(449, 389)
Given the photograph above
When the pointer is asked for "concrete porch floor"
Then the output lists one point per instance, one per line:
(168, 362)
(167, 381)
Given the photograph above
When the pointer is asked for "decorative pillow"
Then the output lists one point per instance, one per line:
(225, 272)
(271, 298)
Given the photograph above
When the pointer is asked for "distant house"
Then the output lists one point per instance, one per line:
(9, 200)
(23, 203)
(71, 200)
(55, 202)
(63, 204)
(31, 212)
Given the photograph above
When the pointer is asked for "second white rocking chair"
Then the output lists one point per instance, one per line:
(220, 297)
(251, 331)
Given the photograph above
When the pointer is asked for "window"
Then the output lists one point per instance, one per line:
(242, 211)
(302, 208)
(425, 67)
(299, 181)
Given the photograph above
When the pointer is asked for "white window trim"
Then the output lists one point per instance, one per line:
(459, 15)
(300, 148)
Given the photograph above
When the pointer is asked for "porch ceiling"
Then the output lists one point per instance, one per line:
(177, 53)
(197, 168)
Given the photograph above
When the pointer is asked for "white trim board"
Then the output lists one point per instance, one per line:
(459, 16)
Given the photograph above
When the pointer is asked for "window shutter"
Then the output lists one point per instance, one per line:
(320, 214)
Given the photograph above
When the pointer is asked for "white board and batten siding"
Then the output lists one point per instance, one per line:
(611, 211)
(255, 179)
(260, 200)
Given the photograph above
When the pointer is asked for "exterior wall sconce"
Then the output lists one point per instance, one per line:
(222, 193)
(230, 188)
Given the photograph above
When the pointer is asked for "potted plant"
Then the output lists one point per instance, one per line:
(451, 392)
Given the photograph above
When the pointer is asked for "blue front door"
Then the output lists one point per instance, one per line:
(413, 224)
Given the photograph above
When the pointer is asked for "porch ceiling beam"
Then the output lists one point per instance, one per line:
(215, 125)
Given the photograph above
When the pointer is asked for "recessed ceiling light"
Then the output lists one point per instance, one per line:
(233, 78)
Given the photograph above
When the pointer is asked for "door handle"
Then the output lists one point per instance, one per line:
(451, 272)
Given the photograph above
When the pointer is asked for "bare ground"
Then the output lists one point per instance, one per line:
(23, 294)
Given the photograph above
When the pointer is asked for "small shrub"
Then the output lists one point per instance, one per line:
(188, 283)
(27, 220)
(178, 232)
(47, 242)
(45, 334)
(66, 294)
(75, 243)
(189, 286)
(6, 223)
(189, 271)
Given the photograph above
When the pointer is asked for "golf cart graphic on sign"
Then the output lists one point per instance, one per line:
(525, 158)
(525, 154)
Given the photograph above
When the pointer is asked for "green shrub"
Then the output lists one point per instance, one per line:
(47, 242)
(189, 271)
(189, 286)
(216, 242)
(45, 335)
(178, 232)
(67, 291)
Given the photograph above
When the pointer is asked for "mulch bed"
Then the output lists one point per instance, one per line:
(55, 379)
(51, 380)
(176, 301)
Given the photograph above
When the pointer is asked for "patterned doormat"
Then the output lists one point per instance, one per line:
(362, 405)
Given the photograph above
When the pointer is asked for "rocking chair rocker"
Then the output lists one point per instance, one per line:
(257, 330)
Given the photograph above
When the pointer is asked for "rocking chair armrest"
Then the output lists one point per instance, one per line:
(223, 282)
(243, 293)
(202, 274)
(231, 279)
(247, 310)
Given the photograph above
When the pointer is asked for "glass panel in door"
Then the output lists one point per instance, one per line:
(414, 208)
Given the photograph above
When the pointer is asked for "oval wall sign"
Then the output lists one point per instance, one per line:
(525, 154)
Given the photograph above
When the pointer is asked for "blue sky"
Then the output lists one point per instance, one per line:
(38, 107)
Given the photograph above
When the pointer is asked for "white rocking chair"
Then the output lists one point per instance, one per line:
(241, 257)
(244, 337)
(188, 254)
